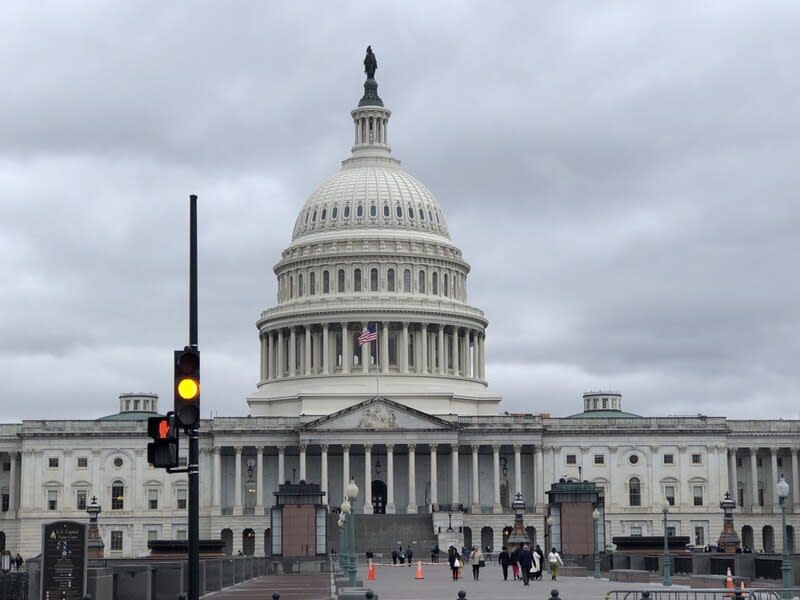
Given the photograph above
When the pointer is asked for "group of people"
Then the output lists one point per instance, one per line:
(527, 564)
(14, 561)
(402, 556)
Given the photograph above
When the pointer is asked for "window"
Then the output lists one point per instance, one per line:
(390, 280)
(407, 280)
(444, 285)
(334, 213)
(314, 217)
(738, 462)
(116, 541)
(291, 286)
(669, 459)
(633, 459)
(697, 493)
(671, 531)
(80, 499)
(410, 212)
(399, 211)
(435, 283)
(421, 282)
(359, 211)
(52, 463)
(83, 462)
(669, 494)
(52, 499)
(741, 496)
(385, 210)
(183, 460)
(152, 535)
(373, 280)
(373, 211)
(697, 459)
(599, 459)
(572, 459)
(636, 531)
(780, 461)
(324, 214)
(634, 492)
(326, 282)
(347, 212)
(180, 494)
(6, 502)
(312, 283)
(761, 496)
(117, 495)
(340, 281)
(357, 280)
(152, 499)
(421, 214)
(605, 402)
(300, 284)
(699, 536)
(180, 534)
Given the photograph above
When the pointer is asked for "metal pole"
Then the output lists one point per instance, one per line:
(193, 466)
(667, 578)
(596, 554)
(786, 567)
(351, 571)
(193, 271)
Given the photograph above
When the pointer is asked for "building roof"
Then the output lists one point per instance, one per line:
(130, 415)
(604, 414)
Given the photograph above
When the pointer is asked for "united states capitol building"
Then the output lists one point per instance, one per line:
(410, 417)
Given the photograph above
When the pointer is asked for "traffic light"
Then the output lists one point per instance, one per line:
(162, 452)
(187, 387)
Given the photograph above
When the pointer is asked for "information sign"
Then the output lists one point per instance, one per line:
(64, 555)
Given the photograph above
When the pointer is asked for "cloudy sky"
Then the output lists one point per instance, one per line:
(622, 177)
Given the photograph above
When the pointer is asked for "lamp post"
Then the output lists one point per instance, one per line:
(667, 578)
(595, 517)
(450, 522)
(5, 566)
(549, 543)
(782, 490)
(344, 511)
(351, 491)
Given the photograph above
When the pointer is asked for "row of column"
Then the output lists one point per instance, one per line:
(313, 350)
(775, 473)
(376, 125)
(411, 505)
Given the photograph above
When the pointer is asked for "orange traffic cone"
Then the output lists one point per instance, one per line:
(729, 583)
(419, 570)
(372, 571)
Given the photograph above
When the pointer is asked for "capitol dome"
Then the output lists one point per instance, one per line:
(371, 251)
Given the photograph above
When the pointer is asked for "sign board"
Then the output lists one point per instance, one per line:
(64, 560)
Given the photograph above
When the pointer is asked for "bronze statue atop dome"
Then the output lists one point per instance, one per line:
(370, 63)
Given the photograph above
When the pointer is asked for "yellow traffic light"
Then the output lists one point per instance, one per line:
(188, 388)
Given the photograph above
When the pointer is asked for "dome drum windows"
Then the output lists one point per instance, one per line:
(360, 210)
(421, 284)
(373, 280)
(334, 213)
(373, 211)
(390, 280)
(634, 492)
(326, 282)
(347, 212)
(357, 280)
(399, 211)
(340, 281)
(312, 283)
(410, 212)
(386, 211)
(407, 281)
(435, 283)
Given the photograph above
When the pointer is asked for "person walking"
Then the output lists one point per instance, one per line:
(394, 556)
(504, 559)
(553, 559)
(539, 556)
(455, 564)
(475, 558)
(409, 555)
(525, 559)
(514, 557)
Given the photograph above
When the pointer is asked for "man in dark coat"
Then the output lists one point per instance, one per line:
(525, 563)
(504, 559)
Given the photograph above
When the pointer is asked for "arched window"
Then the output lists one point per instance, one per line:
(360, 210)
(373, 280)
(340, 281)
(444, 285)
(314, 217)
(323, 214)
(373, 210)
(634, 492)
(421, 285)
(291, 287)
(117, 495)
(390, 280)
(300, 285)
(392, 348)
(312, 283)
(357, 280)
(421, 214)
(347, 212)
(435, 283)
(407, 280)
(385, 210)
(326, 282)
(410, 212)
(334, 213)
(399, 210)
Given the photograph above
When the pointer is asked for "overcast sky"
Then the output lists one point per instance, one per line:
(623, 179)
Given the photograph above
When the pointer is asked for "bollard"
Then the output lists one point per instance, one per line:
(369, 595)
(462, 595)
(645, 595)
(554, 595)
(276, 596)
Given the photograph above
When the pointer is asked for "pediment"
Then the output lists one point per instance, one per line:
(378, 414)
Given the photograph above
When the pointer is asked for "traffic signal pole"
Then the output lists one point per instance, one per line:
(193, 463)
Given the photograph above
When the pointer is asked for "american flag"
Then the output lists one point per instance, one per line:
(370, 334)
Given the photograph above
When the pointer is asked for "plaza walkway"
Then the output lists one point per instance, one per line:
(290, 587)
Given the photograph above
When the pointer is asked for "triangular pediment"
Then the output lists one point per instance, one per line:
(378, 414)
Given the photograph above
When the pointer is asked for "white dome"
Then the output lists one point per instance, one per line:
(376, 195)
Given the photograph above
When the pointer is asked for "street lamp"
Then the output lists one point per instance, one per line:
(351, 491)
(595, 517)
(667, 578)
(450, 522)
(5, 566)
(549, 522)
(782, 490)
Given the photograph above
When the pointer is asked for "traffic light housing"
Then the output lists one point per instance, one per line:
(162, 452)
(187, 388)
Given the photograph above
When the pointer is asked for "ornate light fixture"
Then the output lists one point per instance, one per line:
(378, 467)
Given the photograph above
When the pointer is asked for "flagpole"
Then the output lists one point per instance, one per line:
(377, 364)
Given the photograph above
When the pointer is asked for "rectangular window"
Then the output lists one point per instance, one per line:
(326, 282)
(669, 459)
(697, 493)
(699, 536)
(52, 499)
(741, 496)
(5, 502)
(669, 494)
(180, 534)
(761, 496)
(52, 463)
(181, 497)
(599, 459)
(670, 531)
(152, 499)
(152, 535)
(116, 541)
(697, 459)
(80, 499)
(357, 280)
(636, 531)
(117, 497)
(83, 462)
(572, 459)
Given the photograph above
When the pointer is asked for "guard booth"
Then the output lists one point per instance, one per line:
(299, 521)
(571, 527)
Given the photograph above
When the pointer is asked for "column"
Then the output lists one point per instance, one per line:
(467, 353)
(307, 348)
(733, 481)
(13, 485)
(302, 462)
(454, 350)
(481, 357)
(496, 507)
(715, 475)
(281, 464)
(612, 464)
(263, 357)
(754, 477)
(390, 508)
(384, 357)
(367, 479)
(280, 355)
(365, 351)
(270, 356)
(346, 360)
(345, 466)
(292, 352)
(454, 468)
(517, 469)
(260, 480)
(474, 373)
(403, 354)
(476, 492)
(434, 476)
(440, 350)
(217, 476)
(237, 491)
(538, 475)
(326, 351)
(423, 359)
(773, 458)
(795, 486)
(412, 479)
(323, 478)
